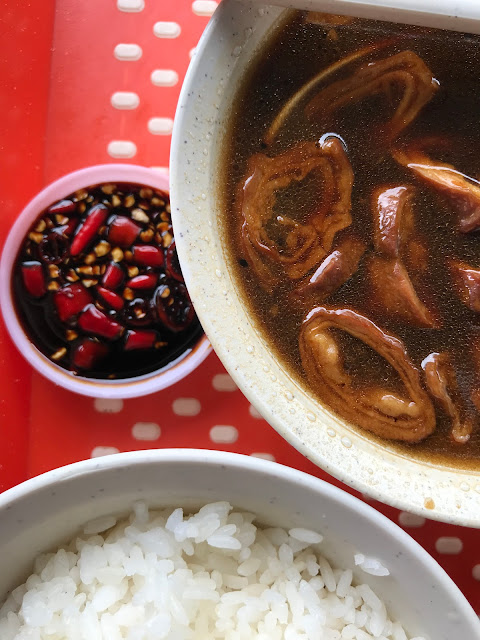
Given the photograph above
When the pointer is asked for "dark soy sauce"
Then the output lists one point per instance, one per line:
(98, 286)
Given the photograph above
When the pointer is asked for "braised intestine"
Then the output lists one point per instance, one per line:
(466, 282)
(407, 416)
(301, 245)
(321, 78)
(405, 72)
(462, 191)
(336, 269)
(394, 233)
(393, 290)
(393, 219)
(442, 384)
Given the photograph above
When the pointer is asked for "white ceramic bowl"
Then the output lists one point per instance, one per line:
(49, 509)
(127, 388)
(235, 32)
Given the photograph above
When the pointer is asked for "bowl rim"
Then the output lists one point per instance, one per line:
(446, 493)
(244, 464)
(93, 387)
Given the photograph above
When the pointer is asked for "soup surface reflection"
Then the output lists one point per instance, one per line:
(353, 198)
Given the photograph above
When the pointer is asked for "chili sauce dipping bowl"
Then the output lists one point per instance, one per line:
(233, 38)
(49, 510)
(184, 359)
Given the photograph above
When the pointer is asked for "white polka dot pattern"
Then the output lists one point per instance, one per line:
(130, 52)
(476, 572)
(254, 413)
(204, 7)
(264, 456)
(186, 407)
(449, 545)
(130, 6)
(125, 100)
(164, 77)
(108, 405)
(98, 452)
(146, 431)
(166, 29)
(407, 519)
(223, 433)
(160, 126)
(121, 149)
(223, 382)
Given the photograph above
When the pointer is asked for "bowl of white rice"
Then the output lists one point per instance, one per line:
(188, 545)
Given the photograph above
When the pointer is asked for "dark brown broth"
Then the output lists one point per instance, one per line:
(293, 56)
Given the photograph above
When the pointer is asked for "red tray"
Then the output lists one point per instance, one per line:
(58, 72)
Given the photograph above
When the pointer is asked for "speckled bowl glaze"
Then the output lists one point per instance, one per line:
(235, 32)
(45, 511)
(129, 387)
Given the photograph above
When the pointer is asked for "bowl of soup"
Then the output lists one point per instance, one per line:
(211, 544)
(324, 184)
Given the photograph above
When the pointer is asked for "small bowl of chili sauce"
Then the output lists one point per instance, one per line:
(92, 291)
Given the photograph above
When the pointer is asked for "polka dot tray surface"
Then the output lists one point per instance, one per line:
(85, 83)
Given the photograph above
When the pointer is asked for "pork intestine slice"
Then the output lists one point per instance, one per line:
(303, 244)
(393, 219)
(407, 416)
(442, 384)
(466, 282)
(392, 289)
(334, 271)
(462, 191)
(404, 71)
(301, 95)
(396, 242)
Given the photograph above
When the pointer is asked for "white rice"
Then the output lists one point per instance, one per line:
(209, 575)
(371, 565)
